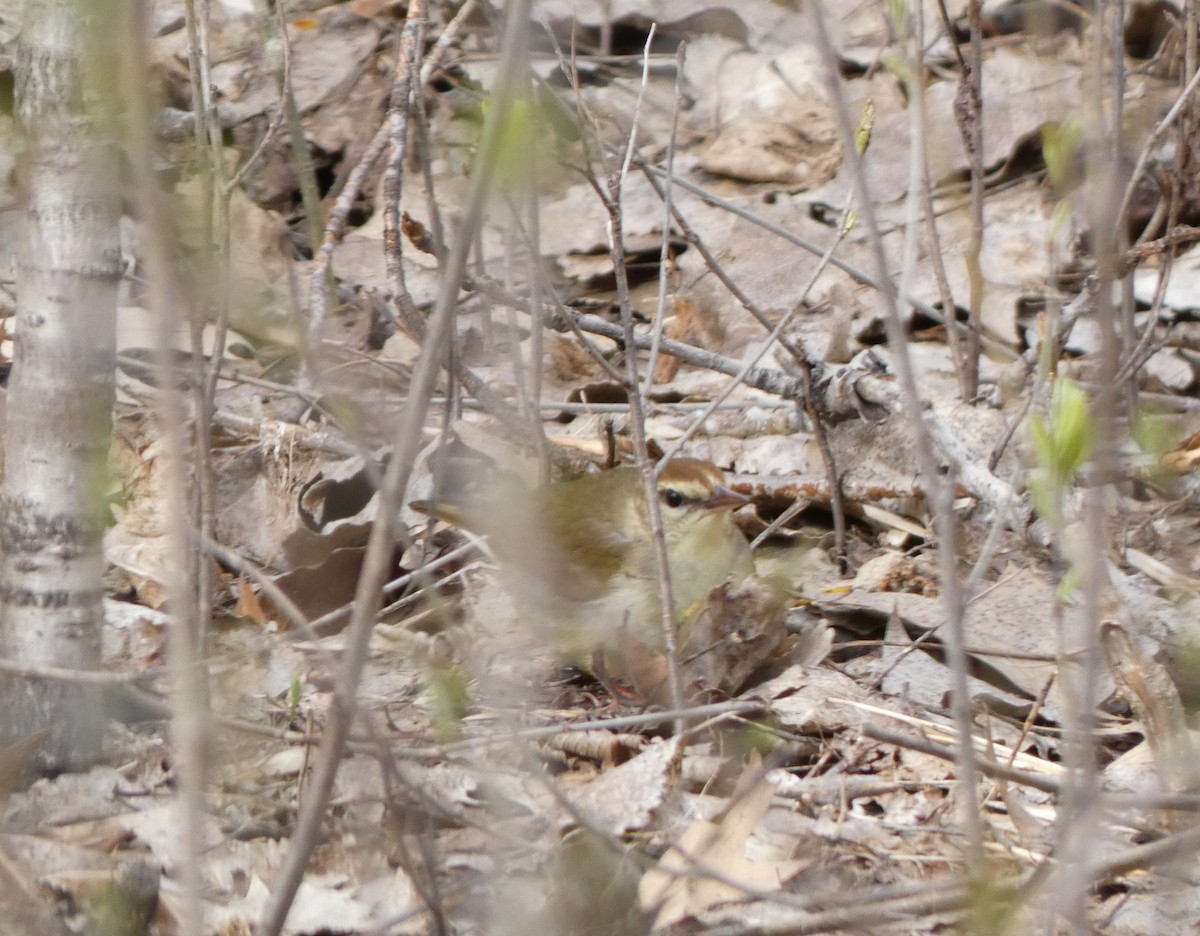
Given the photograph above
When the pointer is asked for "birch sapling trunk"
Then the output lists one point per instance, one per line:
(60, 394)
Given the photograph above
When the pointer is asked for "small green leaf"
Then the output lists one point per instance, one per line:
(1064, 442)
(1039, 433)
(1154, 433)
(295, 692)
(897, 12)
(1058, 220)
(1061, 443)
(518, 140)
(1042, 493)
(1068, 586)
(1060, 143)
(866, 123)
(899, 67)
(1072, 430)
(447, 694)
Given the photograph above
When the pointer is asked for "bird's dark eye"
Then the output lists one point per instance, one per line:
(672, 498)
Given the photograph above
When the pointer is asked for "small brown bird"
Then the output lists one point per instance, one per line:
(579, 556)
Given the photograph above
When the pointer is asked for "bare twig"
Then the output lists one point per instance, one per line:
(644, 720)
(664, 257)
(398, 130)
(810, 399)
(916, 103)
(940, 491)
(80, 677)
(1152, 138)
(348, 193)
(968, 106)
(379, 548)
(775, 335)
(637, 418)
(859, 276)
(189, 698)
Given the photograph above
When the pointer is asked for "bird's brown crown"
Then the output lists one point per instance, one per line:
(689, 482)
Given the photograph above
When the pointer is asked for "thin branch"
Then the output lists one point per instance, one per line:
(940, 491)
(637, 416)
(664, 255)
(810, 398)
(1185, 96)
(877, 282)
(407, 441)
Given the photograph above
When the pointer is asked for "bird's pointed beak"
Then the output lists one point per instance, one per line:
(724, 498)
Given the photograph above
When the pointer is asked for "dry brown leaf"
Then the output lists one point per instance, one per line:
(368, 9)
(324, 587)
(1185, 456)
(680, 888)
(627, 797)
(15, 761)
(801, 700)
(756, 149)
(685, 325)
(1148, 687)
(248, 605)
(739, 631)
(569, 361)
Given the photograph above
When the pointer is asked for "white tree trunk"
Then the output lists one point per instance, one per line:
(60, 394)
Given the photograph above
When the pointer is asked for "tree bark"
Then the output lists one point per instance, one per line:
(60, 394)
